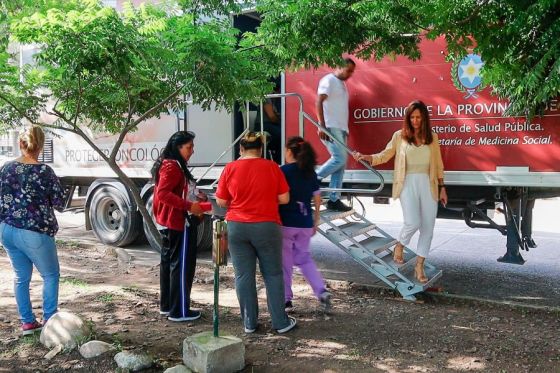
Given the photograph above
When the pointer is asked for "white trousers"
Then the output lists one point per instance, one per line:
(419, 212)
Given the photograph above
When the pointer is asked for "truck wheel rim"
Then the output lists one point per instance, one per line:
(109, 215)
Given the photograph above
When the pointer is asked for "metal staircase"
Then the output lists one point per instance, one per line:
(373, 248)
(363, 240)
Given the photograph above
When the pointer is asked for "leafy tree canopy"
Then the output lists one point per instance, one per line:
(518, 39)
(104, 68)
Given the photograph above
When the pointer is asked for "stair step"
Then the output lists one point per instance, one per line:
(373, 249)
(358, 252)
(329, 215)
(433, 276)
(376, 244)
(349, 230)
(409, 261)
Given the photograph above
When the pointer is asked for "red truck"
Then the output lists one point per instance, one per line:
(489, 158)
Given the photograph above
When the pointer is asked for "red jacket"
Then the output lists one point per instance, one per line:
(170, 207)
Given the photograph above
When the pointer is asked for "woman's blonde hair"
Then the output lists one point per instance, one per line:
(253, 140)
(32, 139)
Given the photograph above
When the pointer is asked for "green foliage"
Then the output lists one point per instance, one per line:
(518, 39)
(313, 32)
(110, 70)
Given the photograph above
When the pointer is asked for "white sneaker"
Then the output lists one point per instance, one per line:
(292, 325)
(191, 315)
(249, 330)
(164, 313)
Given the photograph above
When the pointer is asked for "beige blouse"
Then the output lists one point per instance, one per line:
(397, 148)
(417, 159)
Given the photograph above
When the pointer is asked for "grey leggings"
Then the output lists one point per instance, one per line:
(247, 243)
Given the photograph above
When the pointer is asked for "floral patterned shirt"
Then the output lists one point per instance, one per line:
(29, 193)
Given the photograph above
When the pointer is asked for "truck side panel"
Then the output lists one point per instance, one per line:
(479, 145)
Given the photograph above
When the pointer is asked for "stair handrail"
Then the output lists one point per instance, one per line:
(302, 115)
(351, 152)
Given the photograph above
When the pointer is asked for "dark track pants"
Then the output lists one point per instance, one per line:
(178, 263)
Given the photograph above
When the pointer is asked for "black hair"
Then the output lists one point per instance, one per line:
(304, 154)
(349, 61)
(171, 151)
(252, 140)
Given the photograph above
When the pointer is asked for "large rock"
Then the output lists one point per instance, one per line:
(178, 369)
(204, 353)
(95, 348)
(133, 361)
(65, 329)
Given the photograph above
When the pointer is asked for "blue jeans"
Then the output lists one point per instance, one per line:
(26, 248)
(336, 164)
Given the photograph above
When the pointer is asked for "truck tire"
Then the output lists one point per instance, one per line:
(203, 239)
(154, 243)
(113, 220)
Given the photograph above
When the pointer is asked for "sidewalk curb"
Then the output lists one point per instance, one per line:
(454, 298)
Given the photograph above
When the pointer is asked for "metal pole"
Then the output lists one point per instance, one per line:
(215, 317)
(262, 128)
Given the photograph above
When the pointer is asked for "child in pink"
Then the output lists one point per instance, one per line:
(299, 222)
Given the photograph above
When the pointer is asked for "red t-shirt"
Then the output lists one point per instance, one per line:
(252, 187)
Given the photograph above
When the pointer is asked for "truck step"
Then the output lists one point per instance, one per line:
(329, 215)
(372, 248)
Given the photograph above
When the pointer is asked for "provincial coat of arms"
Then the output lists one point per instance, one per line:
(466, 75)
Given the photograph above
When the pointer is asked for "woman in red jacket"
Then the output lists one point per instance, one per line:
(173, 182)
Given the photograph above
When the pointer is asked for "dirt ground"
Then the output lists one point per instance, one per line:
(368, 330)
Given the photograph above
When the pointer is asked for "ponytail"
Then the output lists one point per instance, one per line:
(303, 152)
(32, 139)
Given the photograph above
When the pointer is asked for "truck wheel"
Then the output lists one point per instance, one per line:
(204, 238)
(154, 243)
(113, 220)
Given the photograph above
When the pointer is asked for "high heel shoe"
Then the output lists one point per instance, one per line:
(398, 254)
(420, 275)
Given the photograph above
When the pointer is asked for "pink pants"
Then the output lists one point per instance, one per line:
(295, 252)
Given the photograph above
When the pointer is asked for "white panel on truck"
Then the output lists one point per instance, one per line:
(214, 134)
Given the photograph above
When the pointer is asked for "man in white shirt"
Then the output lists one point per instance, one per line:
(333, 113)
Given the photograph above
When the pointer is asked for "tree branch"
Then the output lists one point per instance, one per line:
(18, 110)
(140, 119)
(79, 103)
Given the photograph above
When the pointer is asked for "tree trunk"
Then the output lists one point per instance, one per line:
(133, 188)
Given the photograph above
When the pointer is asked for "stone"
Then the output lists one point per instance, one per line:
(178, 369)
(109, 321)
(204, 353)
(65, 329)
(95, 348)
(52, 353)
(133, 361)
(495, 319)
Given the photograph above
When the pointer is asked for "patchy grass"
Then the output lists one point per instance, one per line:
(106, 298)
(30, 340)
(132, 289)
(117, 341)
(90, 335)
(76, 282)
(69, 243)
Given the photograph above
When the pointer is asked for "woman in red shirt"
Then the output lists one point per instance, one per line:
(252, 188)
(171, 207)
